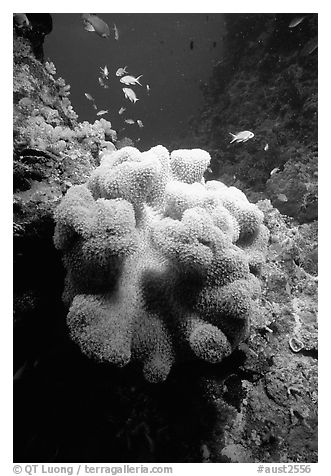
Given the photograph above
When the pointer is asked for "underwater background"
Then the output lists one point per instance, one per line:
(240, 89)
(175, 53)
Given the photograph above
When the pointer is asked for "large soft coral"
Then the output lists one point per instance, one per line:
(159, 264)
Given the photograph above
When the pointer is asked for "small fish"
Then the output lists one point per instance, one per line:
(21, 20)
(282, 197)
(102, 83)
(296, 21)
(130, 94)
(89, 97)
(93, 23)
(104, 72)
(148, 88)
(129, 121)
(130, 80)
(122, 110)
(242, 136)
(121, 71)
(95, 106)
(274, 171)
(266, 147)
(140, 123)
(102, 112)
(209, 169)
(310, 47)
(116, 32)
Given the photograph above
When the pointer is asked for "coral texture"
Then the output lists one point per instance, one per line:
(161, 266)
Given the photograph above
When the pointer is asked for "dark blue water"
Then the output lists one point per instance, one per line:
(175, 53)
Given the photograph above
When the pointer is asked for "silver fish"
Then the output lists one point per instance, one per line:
(102, 112)
(140, 123)
(89, 97)
(148, 88)
(266, 147)
(129, 121)
(274, 171)
(310, 47)
(121, 71)
(116, 32)
(130, 94)
(102, 83)
(242, 136)
(130, 80)
(104, 72)
(296, 21)
(122, 110)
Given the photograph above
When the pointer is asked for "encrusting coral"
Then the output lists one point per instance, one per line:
(161, 266)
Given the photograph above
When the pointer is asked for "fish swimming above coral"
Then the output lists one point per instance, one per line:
(121, 71)
(274, 171)
(89, 97)
(130, 80)
(95, 24)
(130, 94)
(310, 47)
(296, 21)
(105, 72)
(116, 32)
(102, 83)
(102, 112)
(242, 136)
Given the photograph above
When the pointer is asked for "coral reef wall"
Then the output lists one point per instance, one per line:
(266, 83)
(51, 151)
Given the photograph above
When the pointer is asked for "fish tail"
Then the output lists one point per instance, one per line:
(233, 137)
(137, 79)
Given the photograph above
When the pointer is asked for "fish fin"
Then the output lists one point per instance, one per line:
(88, 27)
(234, 137)
(137, 80)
